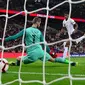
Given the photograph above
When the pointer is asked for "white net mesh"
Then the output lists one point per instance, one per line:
(46, 21)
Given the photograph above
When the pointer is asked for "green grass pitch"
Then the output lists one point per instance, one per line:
(53, 71)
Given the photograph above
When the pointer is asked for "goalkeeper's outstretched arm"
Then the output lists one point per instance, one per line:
(15, 36)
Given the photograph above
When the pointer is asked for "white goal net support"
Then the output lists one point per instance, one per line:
(69, 76)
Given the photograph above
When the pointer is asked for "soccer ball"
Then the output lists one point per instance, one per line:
(3, 65)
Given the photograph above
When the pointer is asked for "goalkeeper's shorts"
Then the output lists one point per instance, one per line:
(37, 54)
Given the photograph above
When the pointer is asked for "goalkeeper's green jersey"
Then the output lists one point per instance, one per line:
(32, 36)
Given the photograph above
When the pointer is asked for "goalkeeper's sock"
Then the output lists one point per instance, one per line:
(65, 61)
(71, 62)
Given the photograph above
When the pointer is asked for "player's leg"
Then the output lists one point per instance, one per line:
(31, 57)
(59, 60)
(66, 44)
(25, 60)
(78, 34)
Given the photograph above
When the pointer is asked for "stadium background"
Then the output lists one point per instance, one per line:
(34, 71)
(16, 24)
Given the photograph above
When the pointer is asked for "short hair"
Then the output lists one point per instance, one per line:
(36, 19)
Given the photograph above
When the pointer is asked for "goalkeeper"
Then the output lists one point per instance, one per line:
(35, 52)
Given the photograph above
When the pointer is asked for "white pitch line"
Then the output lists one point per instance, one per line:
(49, 74)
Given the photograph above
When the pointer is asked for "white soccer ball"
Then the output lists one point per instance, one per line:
(3, 65)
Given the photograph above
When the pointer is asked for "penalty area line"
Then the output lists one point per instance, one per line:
(49, 74)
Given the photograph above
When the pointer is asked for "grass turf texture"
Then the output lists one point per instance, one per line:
(53, 71)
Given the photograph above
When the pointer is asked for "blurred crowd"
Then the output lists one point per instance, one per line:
(52, 36)
(15, 25)
(78, 10)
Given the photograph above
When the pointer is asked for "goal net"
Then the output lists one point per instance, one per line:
(25, 13)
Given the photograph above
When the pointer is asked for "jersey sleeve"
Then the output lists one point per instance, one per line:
(42, 40)
(72, 21)
(15, 36)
